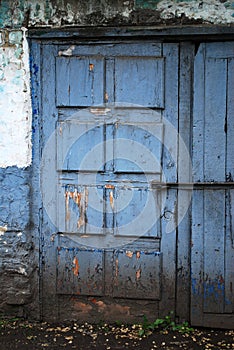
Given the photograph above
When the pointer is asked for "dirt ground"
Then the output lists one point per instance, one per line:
(20, 334)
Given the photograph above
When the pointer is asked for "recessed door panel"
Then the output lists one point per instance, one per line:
(140, 80)
(79, 81)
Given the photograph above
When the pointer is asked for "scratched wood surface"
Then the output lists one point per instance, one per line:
(111, 204)
(212, 237)
(103, 255)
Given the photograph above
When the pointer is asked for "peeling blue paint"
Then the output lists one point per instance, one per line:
(210, 290)
(194, 286)
(14, 198)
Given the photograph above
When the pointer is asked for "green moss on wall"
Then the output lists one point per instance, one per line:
(5, 14)
(146, 4)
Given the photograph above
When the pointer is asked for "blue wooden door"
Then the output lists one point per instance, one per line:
(212, 260)
(109, 235)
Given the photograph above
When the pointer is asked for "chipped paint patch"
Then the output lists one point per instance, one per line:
(77, 266)
(83, 308)
(116, 267)
(3, 229)
(91, 67)
(129, 254)
(138, 255)
(138, 274)
(67, 52)
(111, 200)
(15, 102)
(100, 111)
(81, 200)
(22, 271)
(110, 186)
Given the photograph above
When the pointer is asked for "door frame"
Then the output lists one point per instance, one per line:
(188, 38)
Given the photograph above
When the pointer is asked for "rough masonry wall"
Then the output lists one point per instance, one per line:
(71, 12)
(18, 234)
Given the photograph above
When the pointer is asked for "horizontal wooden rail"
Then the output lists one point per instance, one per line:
(193, 185)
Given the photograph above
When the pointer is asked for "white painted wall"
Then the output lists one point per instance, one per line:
(15, 102)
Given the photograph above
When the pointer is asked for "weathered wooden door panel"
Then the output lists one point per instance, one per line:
(137, 274)
(212, 237)
(113, 244)
(79, 81)
(75, 141)
(78, 274)
(147, 74)
(141, 150)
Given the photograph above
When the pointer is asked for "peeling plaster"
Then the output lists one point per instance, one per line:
(61, 13)
(58, 13)
(22, 271)
(15, 102)
(3, 229)
(67, 52)
(210, 11)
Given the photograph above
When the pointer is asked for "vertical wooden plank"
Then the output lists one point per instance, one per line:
(49, 240)
(214, 168)
(168, 241)
(212, 282)
(199, 115)
(184, 175)
(197, 259)
(229, 122)
(229, 242)
(109, 83)
(229, 253)
(109, 99)
(214, 236)
(170, 113)
(36, 205)
(197, 239)
(86, 81)
(62, 81)
(215, 116)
